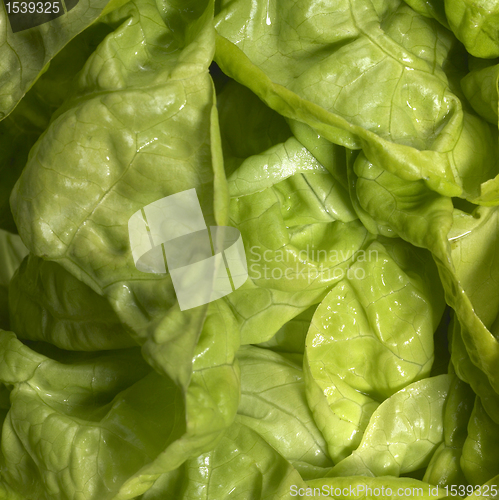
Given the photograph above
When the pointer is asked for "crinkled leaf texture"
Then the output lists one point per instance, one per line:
(298, 226)
(346, 153)
(370, 337)
(460, 243)
(256, 457)
(21, 128)
(464, 246)
(273, 404)
(445, 467)
(82, 424)
(403, 433)
(481, 87)
(140, 124)
(480, 457)
(381, 77)
(474, 23)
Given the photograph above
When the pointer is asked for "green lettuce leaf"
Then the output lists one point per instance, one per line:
(251, 130)
(20, 129)
(476, 25)
(374, 79)
(108, 412)
(403, 433)
(300, 235)
(48, 303)
(481, 87)
(480, 458)
(12, 252)
(277, 183)
(460, 244)
(274, 405)
(27, 54)
(488, 490)
(370, 337)
(354, 146)
(430, 8)
(144, 95)
(243, 465)
(289, 341)
(444, 467)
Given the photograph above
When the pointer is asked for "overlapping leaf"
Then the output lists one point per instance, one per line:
(139, 125)
(370, 337)
(381, 78)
